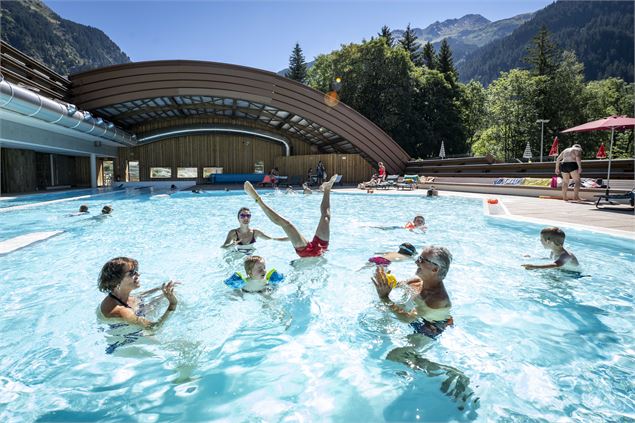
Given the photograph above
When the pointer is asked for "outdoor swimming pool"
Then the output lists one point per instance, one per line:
(541, 345)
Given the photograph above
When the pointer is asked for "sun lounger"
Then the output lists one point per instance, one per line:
(390, 182)
(627, 198)
(407, 182)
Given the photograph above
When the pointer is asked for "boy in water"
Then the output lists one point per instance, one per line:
(258, 279)
(553, 239)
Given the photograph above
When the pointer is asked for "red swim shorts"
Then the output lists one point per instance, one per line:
(315, 248)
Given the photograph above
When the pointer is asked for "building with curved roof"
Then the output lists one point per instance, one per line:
(191, 115)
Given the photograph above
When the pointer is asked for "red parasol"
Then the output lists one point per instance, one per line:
(601, 153)
(554, 148)
(611, 123)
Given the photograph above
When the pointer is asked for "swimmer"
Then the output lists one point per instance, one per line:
(320, 242)
(106, 210)
(83, 209)
(289, 190)
(244, 237)
(432, 192)
(258, 279)
(431, 314)
(418, 223)
(118, 278)
(553, 239)
(407, 251)
(306, 190)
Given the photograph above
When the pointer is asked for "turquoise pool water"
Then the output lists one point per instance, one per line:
(534, 346)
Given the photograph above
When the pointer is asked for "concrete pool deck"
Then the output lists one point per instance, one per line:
(541, 211)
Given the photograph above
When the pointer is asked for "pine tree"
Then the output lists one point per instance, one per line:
(541, 54)
(445, 63)
(386, 35)
(408, 42)
(429, 56)
(297, 65)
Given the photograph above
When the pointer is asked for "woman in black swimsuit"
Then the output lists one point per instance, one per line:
(244, 237)
(118, 278)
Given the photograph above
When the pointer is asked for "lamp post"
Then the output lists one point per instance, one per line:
(542, 134)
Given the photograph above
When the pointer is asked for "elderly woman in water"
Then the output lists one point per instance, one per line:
(118, 278)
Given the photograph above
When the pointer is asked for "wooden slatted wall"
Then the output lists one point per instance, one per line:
(352, 167)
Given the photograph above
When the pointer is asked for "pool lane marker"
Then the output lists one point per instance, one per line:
(13, 244)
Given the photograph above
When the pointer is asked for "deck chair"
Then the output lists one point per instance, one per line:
(408, 182)
(616, 199)
(390, 182)
(338, 180)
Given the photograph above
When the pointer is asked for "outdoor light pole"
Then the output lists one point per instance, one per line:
(542, 134)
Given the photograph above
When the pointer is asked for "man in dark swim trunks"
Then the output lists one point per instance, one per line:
(431, 315)
(320, 242)
(569, 165)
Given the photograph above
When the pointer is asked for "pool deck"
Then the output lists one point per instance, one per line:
(617, 222)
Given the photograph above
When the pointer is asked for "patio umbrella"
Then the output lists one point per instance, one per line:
(601, 154)
(527, 154)
(442, 152)
(613, 123)
(553, 152)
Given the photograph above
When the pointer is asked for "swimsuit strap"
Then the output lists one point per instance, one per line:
(111, 295)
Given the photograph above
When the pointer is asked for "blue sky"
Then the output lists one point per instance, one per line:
(262, 33)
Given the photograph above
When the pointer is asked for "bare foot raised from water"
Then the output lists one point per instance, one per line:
(251, 191)
(329, 184)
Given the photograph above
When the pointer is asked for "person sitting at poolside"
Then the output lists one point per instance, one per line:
(258, 278)
(431, 314)
(120, 276)
(406, 252)
(306, 190)
(244, 237)
(374, 180)
(320, 242)
(553, 239)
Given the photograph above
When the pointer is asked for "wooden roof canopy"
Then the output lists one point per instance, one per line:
(131, 94)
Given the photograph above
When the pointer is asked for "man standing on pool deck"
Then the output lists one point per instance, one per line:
(320, 242)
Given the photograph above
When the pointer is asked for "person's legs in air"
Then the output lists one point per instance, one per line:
(323, 229)
(292, 232)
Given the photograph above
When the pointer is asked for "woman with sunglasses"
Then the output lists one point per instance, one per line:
(118, 278)
(244, 237)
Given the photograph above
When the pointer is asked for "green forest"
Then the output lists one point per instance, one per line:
(416, 98)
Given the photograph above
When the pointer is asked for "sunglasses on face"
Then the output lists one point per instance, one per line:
(421, 259)
(244, 216)
(132, 273)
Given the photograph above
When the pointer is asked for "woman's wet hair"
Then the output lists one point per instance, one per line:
(113, 272)
(407, 249)
(243, 209)
(83, 208)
